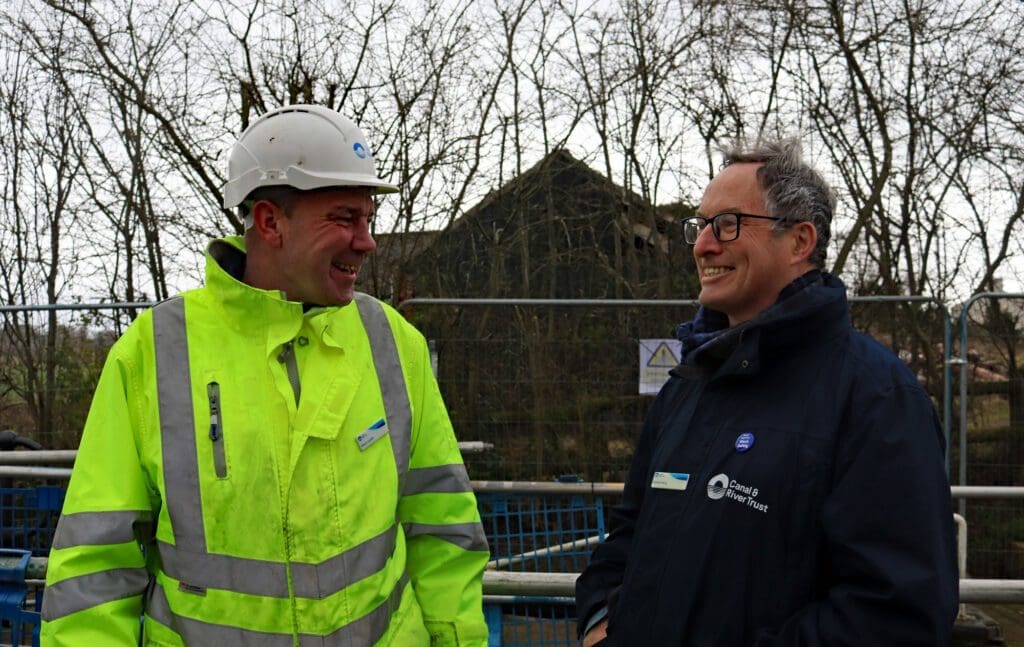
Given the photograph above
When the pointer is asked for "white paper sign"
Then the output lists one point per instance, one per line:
(657, 356)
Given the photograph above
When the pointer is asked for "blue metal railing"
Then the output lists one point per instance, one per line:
(28, 517)
(537, 533)
(19, 621)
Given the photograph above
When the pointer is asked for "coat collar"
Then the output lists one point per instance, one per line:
(812, 305)
(253, 310)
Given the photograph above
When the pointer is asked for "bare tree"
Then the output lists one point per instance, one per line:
(912, 109)
(41, 140)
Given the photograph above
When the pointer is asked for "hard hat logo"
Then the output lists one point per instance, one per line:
(302, 146)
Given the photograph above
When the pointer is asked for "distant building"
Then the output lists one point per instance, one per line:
(388, 273)
(560, 230)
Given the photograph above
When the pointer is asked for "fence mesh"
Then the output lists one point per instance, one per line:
(28, 517)
(995, 434)
(545, 534)
(538, 533)
(555, 390)
(541, 622)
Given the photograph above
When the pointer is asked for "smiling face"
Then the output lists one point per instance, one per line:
(314, 252)
(742, 277)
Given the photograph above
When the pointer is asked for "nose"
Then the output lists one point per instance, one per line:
(362, 240)
(706, 243)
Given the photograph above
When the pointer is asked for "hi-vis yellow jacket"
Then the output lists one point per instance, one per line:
(291, 477)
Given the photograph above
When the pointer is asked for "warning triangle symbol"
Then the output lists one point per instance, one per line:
(663, 357)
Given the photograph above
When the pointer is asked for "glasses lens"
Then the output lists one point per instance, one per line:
(727, 226)
(691, 229)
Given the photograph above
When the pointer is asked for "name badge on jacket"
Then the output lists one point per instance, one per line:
(373, 433)
(670, 480)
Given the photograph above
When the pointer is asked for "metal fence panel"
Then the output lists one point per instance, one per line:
(555, 381)
(991, 430)
(532, 622)
(554, 384)
(544, 533)
(28, 517)
(541, 533)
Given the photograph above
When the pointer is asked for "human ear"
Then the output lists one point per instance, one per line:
(268, 220)
(804, 238)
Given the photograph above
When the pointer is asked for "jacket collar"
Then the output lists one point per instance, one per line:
(225, 269)
(253, 310)
(812, 305)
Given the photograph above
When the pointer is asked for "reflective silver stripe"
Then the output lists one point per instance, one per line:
(260, 577)
(198, 632)
(469, 536)
(359, 562)
(366, 630)
(102, 528)
(440, 478)
(177, 426)
(87, 591)
(391, 378)
(238, 574)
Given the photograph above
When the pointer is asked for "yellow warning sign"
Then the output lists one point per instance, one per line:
(657, 356)
(663, 357)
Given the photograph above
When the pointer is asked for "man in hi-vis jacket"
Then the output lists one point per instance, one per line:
(268, 461)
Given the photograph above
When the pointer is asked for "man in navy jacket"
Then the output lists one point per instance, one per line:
(788, 486)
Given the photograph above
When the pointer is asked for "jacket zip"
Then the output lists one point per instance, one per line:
(220, 465)
(287, 357)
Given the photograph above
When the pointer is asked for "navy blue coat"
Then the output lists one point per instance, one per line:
(816, 511)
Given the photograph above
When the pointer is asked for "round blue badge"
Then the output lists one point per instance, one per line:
(744, 441)
(359, 150)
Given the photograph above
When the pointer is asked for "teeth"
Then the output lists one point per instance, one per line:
(715, 271)
(345, 268)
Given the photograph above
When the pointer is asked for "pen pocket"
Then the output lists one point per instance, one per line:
(220, 465)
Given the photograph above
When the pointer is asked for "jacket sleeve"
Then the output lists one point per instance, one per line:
(890, 554)
(447, 549)
(96, 575)
(597, 587)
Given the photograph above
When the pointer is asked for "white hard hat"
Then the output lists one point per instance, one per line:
(302, 146)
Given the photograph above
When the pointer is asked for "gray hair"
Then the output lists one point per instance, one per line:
(793, 190)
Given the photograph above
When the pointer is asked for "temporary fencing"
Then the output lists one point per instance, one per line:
(557, 385)
(552, 387)
(991, 411)
(19, 620)
(531, 527)
(538, 528)
(28, 517)
(552, 383)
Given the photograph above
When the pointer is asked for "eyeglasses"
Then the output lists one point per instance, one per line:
(725, 226)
